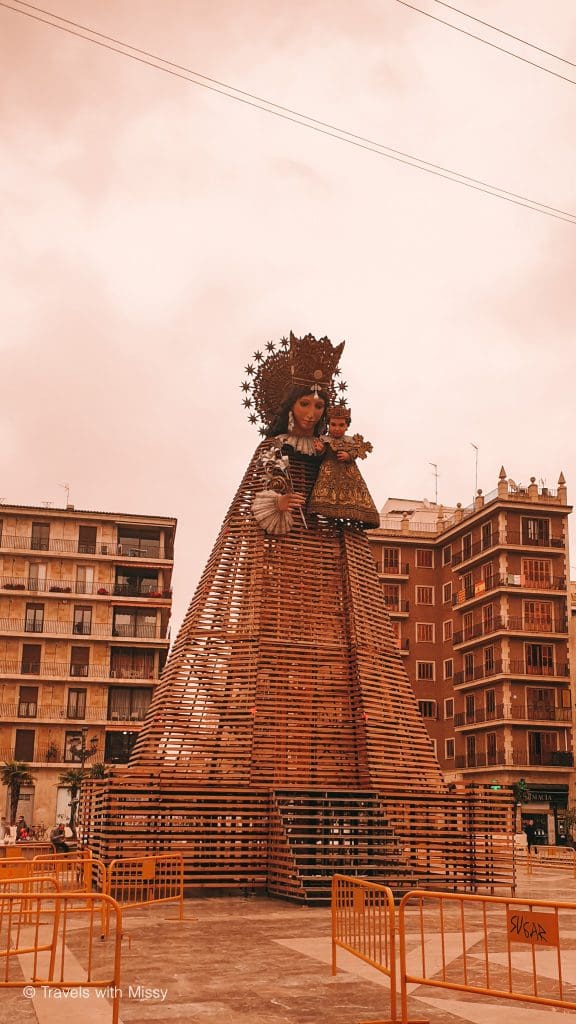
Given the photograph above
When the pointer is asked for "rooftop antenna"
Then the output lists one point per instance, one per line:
(476, 449)
(436, 475)
(67, 489)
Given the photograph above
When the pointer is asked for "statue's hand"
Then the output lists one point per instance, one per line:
(288, 502)
(344, 457)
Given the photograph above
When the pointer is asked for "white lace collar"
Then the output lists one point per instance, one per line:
(304, 445)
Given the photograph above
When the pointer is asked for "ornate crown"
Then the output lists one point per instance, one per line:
(306, 361)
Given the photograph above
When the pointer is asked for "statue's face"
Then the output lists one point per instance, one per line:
(307, 411)
(338, 426)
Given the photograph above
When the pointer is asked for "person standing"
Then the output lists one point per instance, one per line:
(530, 831)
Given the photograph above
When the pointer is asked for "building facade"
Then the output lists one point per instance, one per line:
(479, 598)
(85, 602)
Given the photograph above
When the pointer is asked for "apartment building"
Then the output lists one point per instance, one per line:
(479, 600)
(85, 601)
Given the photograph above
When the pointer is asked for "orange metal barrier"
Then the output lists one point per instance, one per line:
(143, 881)
(364, 923)
(562, 857)
(33, 931)
(489, 945)
(75, 872)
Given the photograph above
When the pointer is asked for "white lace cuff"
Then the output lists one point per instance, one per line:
(266, 514)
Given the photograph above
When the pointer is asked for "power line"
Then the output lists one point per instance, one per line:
(286, 113)
(486, 42)
(503, 32)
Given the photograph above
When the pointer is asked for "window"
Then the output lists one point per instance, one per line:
(139, 542)
(447, 629)
(466, 546)
(468, 585)
(118, 746)
(448, 668)
(427, 708)
(37, 576)
(391, 560)
(425, 632)
(87, 540)
(82, 619)
(491, 748)
(471, 751)
(537, 572)
(84, 579)
(424, 595)
(449, 749)
(489, 664)
(391, 592)
(538, 616)
(468, 666)
(539, 659)
(34, 621)
(128, 703)
(470, 707)
(486, 536)
(31, 657)
(467, 625)
(490, 703)
(28, 702)
(540, 747)
(447, 554)
(132, 622)
(488, 618)
(76, 704)
(425, 670)
(131, 663)
(535, 531)
(449, 708)
(446, 593)
(24, 745)
(40, 536)
(488, 575)
(79, 661)
(424, 558)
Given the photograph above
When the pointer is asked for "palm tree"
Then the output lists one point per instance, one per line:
(14, 775)
(72, 780)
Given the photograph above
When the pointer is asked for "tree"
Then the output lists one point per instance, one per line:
(14, 775)
(72, 780)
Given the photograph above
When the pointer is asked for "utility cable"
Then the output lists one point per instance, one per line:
(480, 39)
(286, 113)
(510, 35)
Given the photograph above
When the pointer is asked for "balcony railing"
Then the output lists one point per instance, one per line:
(393, 570)
(510, 623)
(63, 670)
(95, 589)
(509, 579)
(504, 537)
(520, 758)
(52, 627)
(529, 713)
(53, 711)
(127, 549)
(395, 605)
(509, 668)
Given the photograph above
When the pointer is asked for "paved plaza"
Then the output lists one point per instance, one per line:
(261, 961)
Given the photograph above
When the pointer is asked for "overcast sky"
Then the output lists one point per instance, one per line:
(154, 234)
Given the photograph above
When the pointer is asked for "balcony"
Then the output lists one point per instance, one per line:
(510, 624)
(561, 759)
(127, 549)
(73, 629)
(95, 589)
(57, 670)
(395, 605)
(481, 759)
(509, 668)
(545, 758)
(481, 587)
(502, 538)
(53, 712)
(393, 570)
(523, 713)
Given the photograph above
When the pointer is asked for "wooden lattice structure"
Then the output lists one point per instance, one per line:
(284, 740)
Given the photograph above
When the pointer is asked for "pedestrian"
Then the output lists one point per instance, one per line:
(529, 829)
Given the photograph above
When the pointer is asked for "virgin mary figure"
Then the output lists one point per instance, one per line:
(285, 671)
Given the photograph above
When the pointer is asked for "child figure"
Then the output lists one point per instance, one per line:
(340, 491)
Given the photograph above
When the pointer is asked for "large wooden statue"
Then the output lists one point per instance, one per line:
(284, 719)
